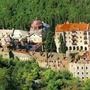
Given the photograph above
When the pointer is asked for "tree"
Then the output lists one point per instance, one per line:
(19, 13)
(3, 79)
(60, 80)
(63, 47)
(49, 41)
(24, 74)
(87, 85)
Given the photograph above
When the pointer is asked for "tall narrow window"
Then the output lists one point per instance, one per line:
(70, 48)
(85, 48)
(81, 47)
(74, 48)
(77, 47)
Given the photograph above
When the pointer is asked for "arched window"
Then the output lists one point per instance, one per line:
(85, 37)
(85, 48)
(77, 47)
(74, 48)
(81, 47)
(70, 48)
(85, 42)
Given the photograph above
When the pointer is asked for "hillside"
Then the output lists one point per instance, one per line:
(18, 14)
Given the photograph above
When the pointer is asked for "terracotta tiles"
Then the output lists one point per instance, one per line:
(72, 27)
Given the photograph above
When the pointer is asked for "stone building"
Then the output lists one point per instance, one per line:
(81, 67)
(75, 35)
(36, 31)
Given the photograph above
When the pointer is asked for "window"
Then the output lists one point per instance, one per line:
(86, 72)
(82, 72)
(81, 47)
(82, 67)
(85, 48)
(77, 47)
(82, 77)
(85, 42)
(70, 48)
(88, 33)
(86, 67)
(81, 41)
(74, 48)
(77, 72)
(77, 67)
(85, 33)
(80, 36)
(85, 38)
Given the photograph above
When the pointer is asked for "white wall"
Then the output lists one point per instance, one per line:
(68, 37)
(81, 70)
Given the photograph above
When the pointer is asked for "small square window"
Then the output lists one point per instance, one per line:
(85, 42)
(81, 41)
(77, 72)
(86, 67)
(80, 37)
(82, 77)
(82, 67)
(89, 33)
(77, 67)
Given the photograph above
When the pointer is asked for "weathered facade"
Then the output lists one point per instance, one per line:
(75, 35)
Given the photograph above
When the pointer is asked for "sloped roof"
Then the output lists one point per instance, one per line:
(17, 33)
(72, 27)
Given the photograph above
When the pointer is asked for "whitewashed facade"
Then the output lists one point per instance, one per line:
(81, 70)
(76, 37)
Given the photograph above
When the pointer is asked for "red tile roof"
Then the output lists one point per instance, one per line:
(72, 27)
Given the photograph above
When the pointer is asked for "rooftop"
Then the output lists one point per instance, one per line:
(72, 27)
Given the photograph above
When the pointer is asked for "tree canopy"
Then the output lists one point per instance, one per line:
(20, 13)
(27, 75)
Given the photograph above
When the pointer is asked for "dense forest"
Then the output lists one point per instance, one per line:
(19, 14)
(27, 75)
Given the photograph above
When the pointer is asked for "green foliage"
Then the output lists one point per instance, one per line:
(61, 80)
(3, 79)
(49, 41)
(24, 74)
(20, 13)
(87, 85)
(27, 75)
(63, 47)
